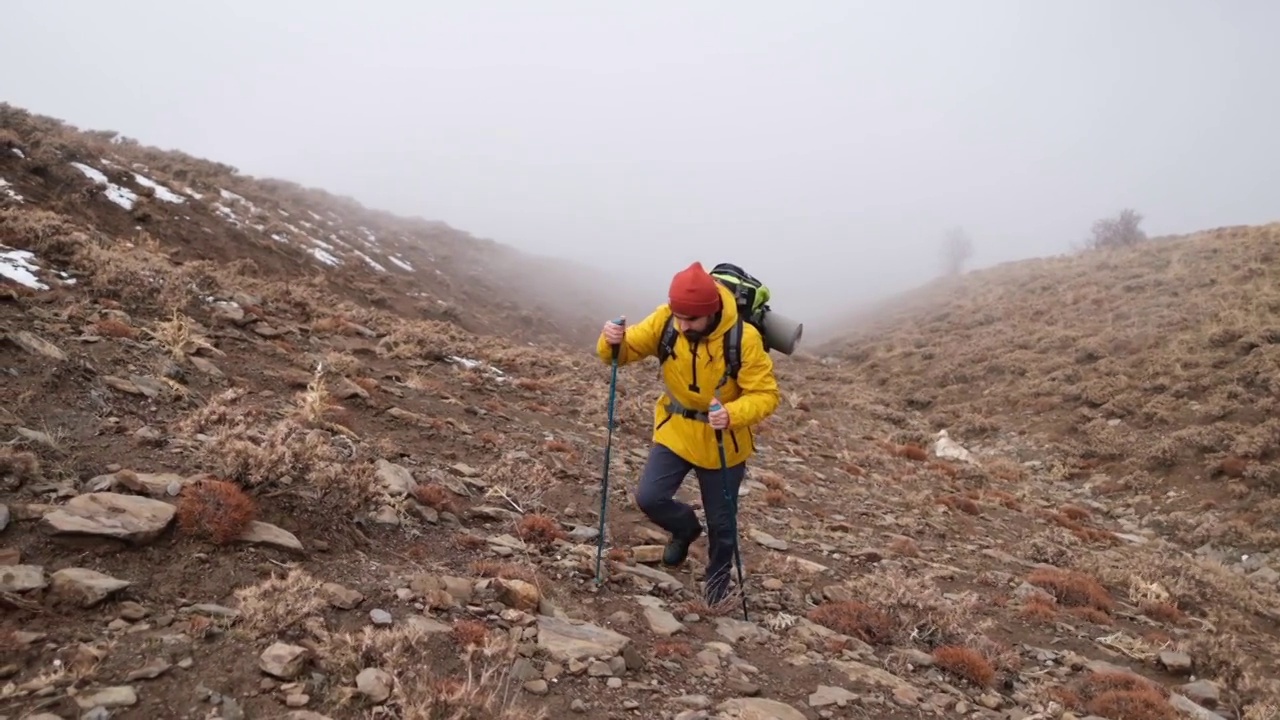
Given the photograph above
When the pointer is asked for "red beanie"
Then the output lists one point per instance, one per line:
(694, 293)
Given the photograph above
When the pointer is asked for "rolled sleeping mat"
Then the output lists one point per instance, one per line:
(782, 333)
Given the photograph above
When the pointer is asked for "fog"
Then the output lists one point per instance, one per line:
(825, 146)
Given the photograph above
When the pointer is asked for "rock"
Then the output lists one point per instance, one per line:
(647, 553)
(662, 622)
(536, 687)
(150, 671)
(379, 616)
(21, 578)
(518, 594)
(827, 695)
(261, 533)
(10, 556)
(36, 345)
(758, 709)
(156, 485)
(1203, 692)
(374, 684)
(110, 697)
(341, 597)
(131, 518)
(769, 541)
(566, 640)
(283, 661)
(1175, 662)
(4, 516)
(394, 479)
(1191, 709)
(85, 587)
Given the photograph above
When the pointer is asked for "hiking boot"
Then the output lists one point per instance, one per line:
(678, 549)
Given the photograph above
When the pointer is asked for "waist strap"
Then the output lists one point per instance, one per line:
(675, 408)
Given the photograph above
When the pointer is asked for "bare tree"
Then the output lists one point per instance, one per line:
(957, 248)
(1120, 231)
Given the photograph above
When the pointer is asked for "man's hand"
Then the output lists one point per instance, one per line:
(614, 332)
(718, 417)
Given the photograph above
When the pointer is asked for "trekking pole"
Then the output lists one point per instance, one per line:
(731, 498)
(608, 446)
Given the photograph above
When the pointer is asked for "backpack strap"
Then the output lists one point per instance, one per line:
(667, 340)
(733, 351)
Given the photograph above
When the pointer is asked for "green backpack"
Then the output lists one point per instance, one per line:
(752, 298)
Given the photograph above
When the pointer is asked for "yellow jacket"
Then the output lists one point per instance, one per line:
(749, 400)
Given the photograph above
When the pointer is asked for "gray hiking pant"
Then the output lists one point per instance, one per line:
(664, 473)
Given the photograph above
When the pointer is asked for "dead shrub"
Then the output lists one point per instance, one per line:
(855, 619)
(911, 451)
(17, 467)
(470, 633)
(113, 328)
(539, 529)
(1073, 588)
(436, 496)
(775, 498)
(672, 648)
(905, 546)
(1163, 611)
(1039, 609)
(216, 510)
(1123, 696)
(960, 503)
(965, 663)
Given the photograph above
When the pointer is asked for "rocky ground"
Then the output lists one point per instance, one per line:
(228, 494)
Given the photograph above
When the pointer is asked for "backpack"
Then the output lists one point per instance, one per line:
(752, 298)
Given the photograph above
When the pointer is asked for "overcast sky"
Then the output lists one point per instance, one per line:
(825, 145)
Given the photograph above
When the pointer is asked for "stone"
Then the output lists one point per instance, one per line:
(261, 533)
(109, 697)
(131, 518)
(22, 578)
(85, 587)
(758, 709)
(827, 695)
(566, 640)
(375, 684)
(283, 660)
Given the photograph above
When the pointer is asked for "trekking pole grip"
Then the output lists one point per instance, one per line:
(618, 346)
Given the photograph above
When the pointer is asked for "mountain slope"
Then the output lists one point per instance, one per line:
(257, 489)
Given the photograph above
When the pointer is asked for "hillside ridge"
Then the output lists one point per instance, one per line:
(236, 482)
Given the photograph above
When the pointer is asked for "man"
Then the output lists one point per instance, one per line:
(702, 310)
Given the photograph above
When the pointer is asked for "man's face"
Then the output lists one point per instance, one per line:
(693, 328)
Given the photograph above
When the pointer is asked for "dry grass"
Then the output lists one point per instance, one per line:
(966, 664)
(855, 619)
(1074, 589)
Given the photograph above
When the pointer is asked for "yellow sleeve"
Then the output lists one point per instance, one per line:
(759, 386)
(640, 341)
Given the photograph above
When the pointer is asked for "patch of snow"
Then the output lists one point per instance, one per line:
(228, 195)
(162, 192)
(280, 238)
(317, 217)
(123, 197)
(400, 263)
(17, 265)
(18, 152)
(283, 212)
(325, 257)
(227, 213)
(471, 364)
(193, 193)
(372, 263)
(7, 190)
(322, 244)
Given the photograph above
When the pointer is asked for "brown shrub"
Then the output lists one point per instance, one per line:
(1075, 512)
(111, 327)
(1039, 609)
(436, 497)
(215, 509)
(1163, 611)
(18, 467)
(468, 633)
(775, 498)
(539, 529)
(1093, 615)
(672, 648)
(855, 619)
(965, 663)
(1124, 696)
(905, 546)
(1072, 588)
(961, 503)
(911, 451)
(504, 571)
